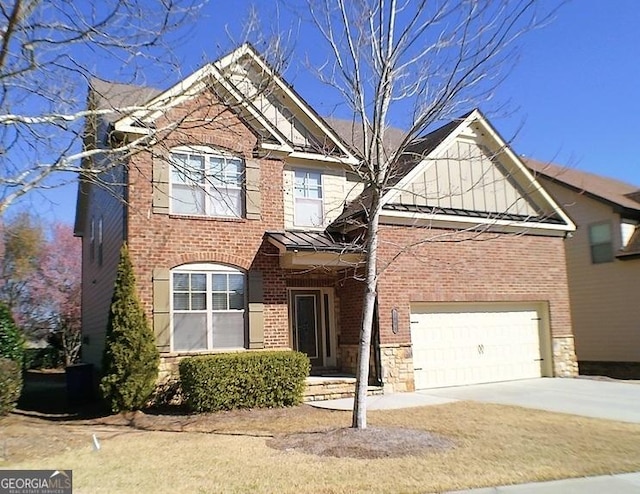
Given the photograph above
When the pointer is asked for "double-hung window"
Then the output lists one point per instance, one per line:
(205, 183)
(308, 195)
(600, 243)
(208, 307)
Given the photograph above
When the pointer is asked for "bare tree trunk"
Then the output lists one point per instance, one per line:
(359, 417)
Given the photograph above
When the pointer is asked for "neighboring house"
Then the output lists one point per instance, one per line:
(603, 264)
(243, 226)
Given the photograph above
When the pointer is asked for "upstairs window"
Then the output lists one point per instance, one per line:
(600, 243)
(308, 195)
(206, 184)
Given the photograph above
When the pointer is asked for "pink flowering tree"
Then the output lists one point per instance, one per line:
(59, 285)
(40, 274)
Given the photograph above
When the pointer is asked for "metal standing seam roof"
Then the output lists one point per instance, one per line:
(313, 241)
(549, 219)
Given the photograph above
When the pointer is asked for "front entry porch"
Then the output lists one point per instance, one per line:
(313, 325)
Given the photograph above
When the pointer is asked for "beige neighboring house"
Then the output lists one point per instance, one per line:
(603, 263)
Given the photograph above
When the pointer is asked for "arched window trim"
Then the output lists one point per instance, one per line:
(208, 306)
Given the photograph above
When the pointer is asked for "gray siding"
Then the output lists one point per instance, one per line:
(98, 278)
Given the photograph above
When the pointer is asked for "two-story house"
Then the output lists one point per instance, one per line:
(603, 264)
(241, 210)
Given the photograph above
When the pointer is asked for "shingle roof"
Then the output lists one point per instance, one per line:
(112, 95)
(350, 132)
(613, 191)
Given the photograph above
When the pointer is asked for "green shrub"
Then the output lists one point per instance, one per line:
(168, 393)
(130, 361)
(10, 384)
(42, 358)
(11, 340)
(244, 380)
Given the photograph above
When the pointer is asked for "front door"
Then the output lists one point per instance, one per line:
(307, 325)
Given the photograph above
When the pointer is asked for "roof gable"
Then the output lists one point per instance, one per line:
(467, 171)
(266, 102)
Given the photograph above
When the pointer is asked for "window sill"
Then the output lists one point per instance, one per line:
(207, 218)
(195, 353)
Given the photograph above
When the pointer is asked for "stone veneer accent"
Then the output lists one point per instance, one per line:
(397, 367)
(397, 364)
(565, 363)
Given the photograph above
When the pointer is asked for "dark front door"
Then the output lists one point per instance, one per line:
(307, 327)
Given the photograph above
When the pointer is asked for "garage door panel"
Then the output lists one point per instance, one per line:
(455, 347)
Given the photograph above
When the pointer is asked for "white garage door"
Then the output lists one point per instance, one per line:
(461, 345)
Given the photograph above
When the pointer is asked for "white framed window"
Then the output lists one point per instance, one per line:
(206, 183)
(600, 243)
(627, 229)
(207, 307)
(308, 198)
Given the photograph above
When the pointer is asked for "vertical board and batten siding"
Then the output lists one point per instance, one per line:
(98, 280)
(270, 102)
(467, 177)
(604, 297)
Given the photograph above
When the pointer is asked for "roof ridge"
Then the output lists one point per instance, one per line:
(610, 189)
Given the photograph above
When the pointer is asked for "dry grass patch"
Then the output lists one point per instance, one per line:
(228, 452)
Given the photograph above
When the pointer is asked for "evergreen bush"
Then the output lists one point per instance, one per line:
(130, 361)
(10, 384)
(244, 380)
(11, 339)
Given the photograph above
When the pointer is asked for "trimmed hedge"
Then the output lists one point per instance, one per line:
(10, 385)
(244, 380)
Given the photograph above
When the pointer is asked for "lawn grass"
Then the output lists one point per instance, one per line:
(495, 445)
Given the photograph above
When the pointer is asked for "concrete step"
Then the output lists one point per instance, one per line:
(333, 388)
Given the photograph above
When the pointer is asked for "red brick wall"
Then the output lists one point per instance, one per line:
(351, 293)
(480, 268)
(161, 240)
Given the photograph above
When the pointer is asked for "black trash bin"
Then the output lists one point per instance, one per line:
(80, 387)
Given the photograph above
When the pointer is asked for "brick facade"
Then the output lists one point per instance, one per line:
(482, 268)
(469, 267)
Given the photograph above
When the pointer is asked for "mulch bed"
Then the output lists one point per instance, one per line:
(372, 442)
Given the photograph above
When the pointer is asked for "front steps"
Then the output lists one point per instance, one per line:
(333, 388)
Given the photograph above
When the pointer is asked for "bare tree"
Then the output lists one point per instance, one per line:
(49, 51)
(427, 59)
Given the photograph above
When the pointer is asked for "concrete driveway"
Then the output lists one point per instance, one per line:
(613, 400)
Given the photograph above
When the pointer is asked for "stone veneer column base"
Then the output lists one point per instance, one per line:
(565, 362)
(397, 367)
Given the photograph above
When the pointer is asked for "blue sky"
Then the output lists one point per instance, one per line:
(572, 98)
